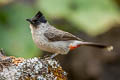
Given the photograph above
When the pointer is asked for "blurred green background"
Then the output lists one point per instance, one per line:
(91, 16)
(92, 20)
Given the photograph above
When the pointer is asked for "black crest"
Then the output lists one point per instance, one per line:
(38, 15)
(39, 18)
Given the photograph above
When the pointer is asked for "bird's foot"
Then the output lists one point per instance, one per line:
(54, 55)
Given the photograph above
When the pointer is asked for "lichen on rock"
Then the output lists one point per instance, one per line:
(31, 69)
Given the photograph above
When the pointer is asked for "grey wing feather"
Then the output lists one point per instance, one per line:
(59, 35)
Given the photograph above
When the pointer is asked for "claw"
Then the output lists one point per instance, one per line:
(54, 55)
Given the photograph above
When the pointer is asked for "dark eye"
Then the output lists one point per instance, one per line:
(35, 21)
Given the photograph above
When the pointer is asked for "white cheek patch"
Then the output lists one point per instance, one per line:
(31, 28)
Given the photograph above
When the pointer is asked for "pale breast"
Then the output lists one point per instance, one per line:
(60, 47)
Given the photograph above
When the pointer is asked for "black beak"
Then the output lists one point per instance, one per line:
(29, 20)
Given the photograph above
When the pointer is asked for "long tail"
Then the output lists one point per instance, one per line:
(81, 43)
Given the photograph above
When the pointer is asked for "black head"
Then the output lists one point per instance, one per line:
(37, 19)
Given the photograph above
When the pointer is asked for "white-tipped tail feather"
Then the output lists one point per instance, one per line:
(110, 48)
(81, 43)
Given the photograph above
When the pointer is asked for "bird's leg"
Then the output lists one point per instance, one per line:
(54, 55)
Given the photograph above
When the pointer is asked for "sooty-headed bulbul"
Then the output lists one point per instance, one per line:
(48, 38)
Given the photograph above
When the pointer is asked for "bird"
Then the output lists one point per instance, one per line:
(49, 38)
